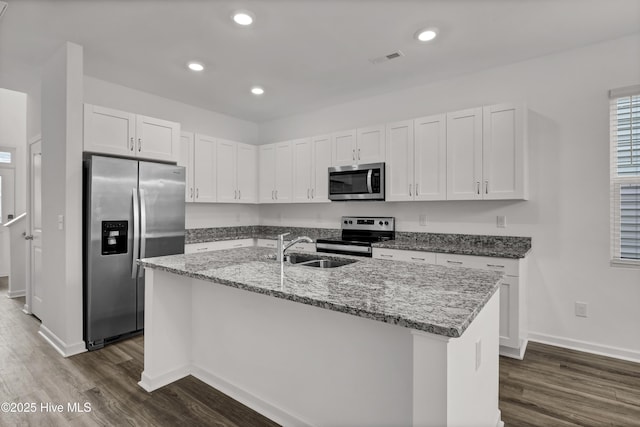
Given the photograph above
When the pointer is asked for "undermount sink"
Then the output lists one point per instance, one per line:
(313, 260)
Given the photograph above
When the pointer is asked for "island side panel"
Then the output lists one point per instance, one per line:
(301, 365)
(168, 329)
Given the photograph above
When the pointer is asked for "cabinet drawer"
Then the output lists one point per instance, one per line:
(198, 247)
(216, 246)
(400, 255)
(303, 247)
(508, 266)
(266, 243)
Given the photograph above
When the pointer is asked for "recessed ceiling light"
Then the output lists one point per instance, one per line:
(243, 17)
(257, 90)
(195, 66)
(427, 34)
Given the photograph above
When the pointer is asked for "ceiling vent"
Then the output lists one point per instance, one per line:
(394, 55)
(3, 8)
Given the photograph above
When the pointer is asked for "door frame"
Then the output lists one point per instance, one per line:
(29, 292)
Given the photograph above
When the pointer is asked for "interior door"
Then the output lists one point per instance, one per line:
(35, 293)
(6, 214)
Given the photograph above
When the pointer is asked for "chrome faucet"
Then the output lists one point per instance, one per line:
(282, 247)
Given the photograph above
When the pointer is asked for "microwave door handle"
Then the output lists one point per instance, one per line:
(369, 186)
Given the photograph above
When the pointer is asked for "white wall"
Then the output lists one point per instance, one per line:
(13, 133)
(568, 212)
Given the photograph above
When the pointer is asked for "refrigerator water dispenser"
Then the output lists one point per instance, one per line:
(114, 237)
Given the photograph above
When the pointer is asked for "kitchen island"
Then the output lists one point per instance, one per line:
(370, 343)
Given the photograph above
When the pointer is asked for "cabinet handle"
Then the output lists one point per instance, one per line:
(191, 193)
(353, 154)
(276, 194)
(197, 193)
(358, 154)
(409, 189)
(272, 196)
(237, 245)
(386, 255)
(416, 189)
(132, 143)
(235, 194)
(417, 259)
(454, 262)
(239, 195)
(312, 194)
(139, 145)
(486, 187)
(495, 265)
(202, 249)
(478, 187)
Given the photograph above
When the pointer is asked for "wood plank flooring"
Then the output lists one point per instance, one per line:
(550, 387)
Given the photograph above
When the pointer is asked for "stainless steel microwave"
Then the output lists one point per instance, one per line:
(357, 182)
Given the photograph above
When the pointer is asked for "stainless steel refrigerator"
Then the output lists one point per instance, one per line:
(132, 209)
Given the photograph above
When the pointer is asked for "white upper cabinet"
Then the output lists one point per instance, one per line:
(370, 144)
(464, 154)
(400, 161)
(236, 172)
(430, 154)
(416, 159)
(311, 162)
(276, 173)
(110, 131)
(187, 146)
(359, 146)
(321, 161)
(504, 152)
(204, 164)
(247, 173)
(486, 153)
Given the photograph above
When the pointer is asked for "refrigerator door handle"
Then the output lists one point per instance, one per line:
(143, 230)
(136, 233)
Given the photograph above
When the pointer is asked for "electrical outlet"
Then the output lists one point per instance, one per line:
(501, 221)
(581, 309)
(422, 220)
(478, 354)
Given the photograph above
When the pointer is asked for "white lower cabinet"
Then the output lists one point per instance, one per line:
(298, 247)
(513, 315)
(193, 248)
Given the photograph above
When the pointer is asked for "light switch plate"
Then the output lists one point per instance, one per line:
(581, 309)
(422, 220)
(501, 221)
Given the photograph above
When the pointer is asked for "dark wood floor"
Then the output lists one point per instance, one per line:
(551, 387)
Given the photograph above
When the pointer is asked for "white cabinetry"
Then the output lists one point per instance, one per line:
(416, 159)
(236, 176)
(187, 146)
(115, 132)
(204, 172)
(311, 161)
(298, 247)
(364, 145)
(486, 153)
(401, 255)
(276, 162)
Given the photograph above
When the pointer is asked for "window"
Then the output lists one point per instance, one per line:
(625, 175)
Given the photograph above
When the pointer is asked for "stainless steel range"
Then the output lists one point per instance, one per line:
(358, 233)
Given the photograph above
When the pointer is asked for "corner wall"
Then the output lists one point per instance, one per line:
(568, 212)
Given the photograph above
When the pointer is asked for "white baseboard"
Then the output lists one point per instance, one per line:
(16, 294)
(587, 347)
(515, 353)
(66, 350)
(153, 383)
(499, 423)
(259, 405)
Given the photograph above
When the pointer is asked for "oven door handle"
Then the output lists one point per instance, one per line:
(369, 186)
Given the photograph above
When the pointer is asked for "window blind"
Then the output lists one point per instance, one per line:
(625, 175)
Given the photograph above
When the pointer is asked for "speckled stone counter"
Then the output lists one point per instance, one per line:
(202, 235)
(431, 298)
(462, 244)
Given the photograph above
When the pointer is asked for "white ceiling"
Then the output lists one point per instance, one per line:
(307, 54)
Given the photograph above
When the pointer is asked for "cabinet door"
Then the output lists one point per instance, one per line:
(187, 142)
(503, 152)
(226, 167)
(430, 158)
(109, 131)
(321, 163)
(399, 165)
(464, 154)
(267, 173)
(370, 145)
(157, 139)
(284, 175)
(247, 176)
(343, 145)
(509, 315)
(302, 169)
(204, 165)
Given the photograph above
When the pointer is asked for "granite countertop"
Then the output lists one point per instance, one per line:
(431, 298)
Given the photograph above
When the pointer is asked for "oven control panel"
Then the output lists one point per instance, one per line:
(368, 223)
